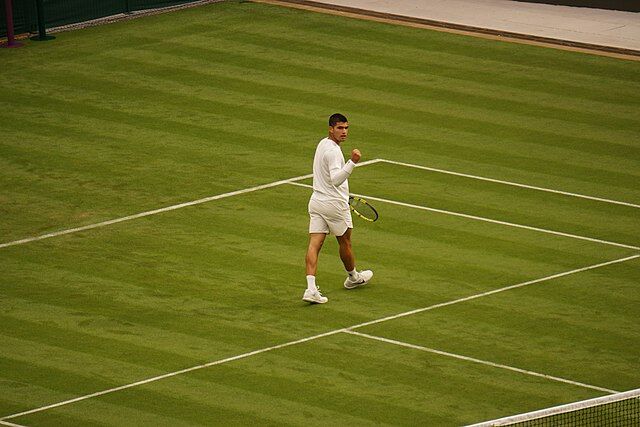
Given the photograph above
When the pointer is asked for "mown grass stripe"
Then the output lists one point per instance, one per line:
(380, 50)
(565, 138)
(168, 375)
(97, 362)
(410, 80)
(266, 46)
(103, 339)
(194, 133)
(511, 183)
(311, 338)
(164, 209)
(199, 60)
(478, 122)
(450, 95)
(482, 362)
(534, 128)
(441, 42)
(519, 285)
(341, 67)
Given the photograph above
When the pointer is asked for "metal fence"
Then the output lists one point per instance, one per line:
(64, 12)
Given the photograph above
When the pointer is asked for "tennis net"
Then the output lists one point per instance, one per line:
(619, 410)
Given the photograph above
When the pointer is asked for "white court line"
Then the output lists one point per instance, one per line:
(515, 184)
(480, 218)
(292, 180)
(495, 221)
(170, 374)
(6, 423)
(166, 209)
(290, 343)
(495, 291)
(480, 361)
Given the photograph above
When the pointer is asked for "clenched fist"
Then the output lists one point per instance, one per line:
(355, 155)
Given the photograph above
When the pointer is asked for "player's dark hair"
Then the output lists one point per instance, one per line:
(337, 118)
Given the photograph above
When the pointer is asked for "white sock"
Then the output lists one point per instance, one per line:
(353, 273)
(311, 283)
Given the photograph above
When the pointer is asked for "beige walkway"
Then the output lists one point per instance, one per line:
(607, 28)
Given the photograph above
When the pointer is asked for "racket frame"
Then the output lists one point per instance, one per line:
(363, 201)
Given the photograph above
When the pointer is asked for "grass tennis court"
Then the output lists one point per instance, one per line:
(128, 118)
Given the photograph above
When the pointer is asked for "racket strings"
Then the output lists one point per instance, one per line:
(363, 209)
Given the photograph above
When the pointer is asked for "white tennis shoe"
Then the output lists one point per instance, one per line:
(314, 297)
(361, 279)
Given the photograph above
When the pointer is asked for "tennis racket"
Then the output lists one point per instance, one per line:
(363, 209)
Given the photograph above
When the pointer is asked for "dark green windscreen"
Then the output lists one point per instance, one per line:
(63, 12)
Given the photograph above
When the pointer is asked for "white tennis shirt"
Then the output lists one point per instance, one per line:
(330, 173)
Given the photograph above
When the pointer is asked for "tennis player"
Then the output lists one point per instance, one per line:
(329, 208)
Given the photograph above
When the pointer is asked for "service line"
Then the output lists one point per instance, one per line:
(480, 218)
(166, 209)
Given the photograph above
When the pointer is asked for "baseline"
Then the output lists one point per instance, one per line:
(307, 339)
(480, 361)
(480, 218)
(514, 184)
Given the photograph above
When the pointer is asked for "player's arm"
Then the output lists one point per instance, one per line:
(337, 173)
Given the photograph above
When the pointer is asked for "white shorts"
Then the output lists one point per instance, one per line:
(329, 217)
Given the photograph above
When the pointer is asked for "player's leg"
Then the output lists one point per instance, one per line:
(312, 294)
(316, 241)
(354, 278)
(318, 230)
(346, 250)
